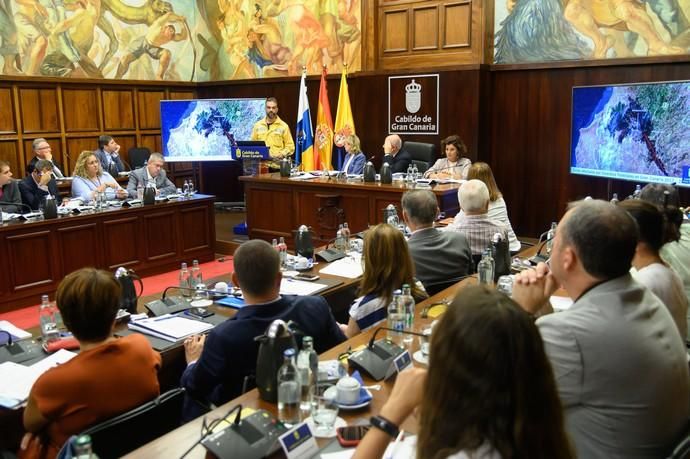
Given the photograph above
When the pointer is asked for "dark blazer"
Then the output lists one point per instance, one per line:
(357, 164)
(32, 195)
(32, 164)
(399, 162)
(230, 351)
(11, 197)
(137, 176)
(439, 256)
(116, 165)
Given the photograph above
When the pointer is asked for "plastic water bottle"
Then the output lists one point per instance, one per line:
(140, 191)
(308, 367)
(409, 177)
(549, 238)
(283, 252)
(195, 276)
(407, 305)
(486, 268)
(48, 321)
(185, 188)
(191, 188)
(614, 199)
(340, 240)
(346, 235)
(415, 172)
(83, 448)
(185, 280)
(289, 389)
(396, 318)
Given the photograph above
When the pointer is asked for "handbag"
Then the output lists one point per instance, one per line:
(129, 296)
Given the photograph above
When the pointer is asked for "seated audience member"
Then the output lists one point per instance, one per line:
(438, 256)
(387, 266)
(616, 354)
(42, 150)
(108, 154)
(675, 253)
(40, 183)
(648, 267)
(90, 179)
(109, 375)
(498, 210)
(10, 198)
(152, 174)
(489, 392)
(218, 364)
(455, 165)
(475, 223)
(398, 159)
(354, 159)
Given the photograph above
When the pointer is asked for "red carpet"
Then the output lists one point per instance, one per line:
(28, 317)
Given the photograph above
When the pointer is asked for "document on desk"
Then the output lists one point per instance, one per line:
(305, 176)
(345, 267)
(170, 327)
(16, 380)
(16, 332)
(298, 287)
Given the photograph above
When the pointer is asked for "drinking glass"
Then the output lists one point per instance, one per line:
(324, 410)
(424, 341)
(505, 285)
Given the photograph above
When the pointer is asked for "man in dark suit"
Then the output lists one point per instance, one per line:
(9, 190)
(218, 365)
(42, 150)
(398, 159)
(438, 256)
(152, 173)
(108, 154)
(40, 183)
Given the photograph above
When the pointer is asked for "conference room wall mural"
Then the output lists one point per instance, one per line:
(555, 30)
(178, 40)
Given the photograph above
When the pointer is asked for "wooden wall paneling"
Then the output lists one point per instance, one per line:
(56, 148)
(126, 142)
(39, 109)
(425, 28)
(75, 145)
(159, 238)
(24, 251)
(83, 237)
(457, 21)
(395, 31)
(80, 109)
(9, 151)
(118, 109)
(8, 124)
(148, 106)
(122, 242)
(151, 141)
(180, 95)
(370, 36)
(194, 233)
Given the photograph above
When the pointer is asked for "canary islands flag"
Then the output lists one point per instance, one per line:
(344, 123)
(304, 135)
(323, 138)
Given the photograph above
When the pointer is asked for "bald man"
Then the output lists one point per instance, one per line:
(394, 155)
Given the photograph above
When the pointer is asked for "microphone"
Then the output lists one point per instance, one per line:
(405, 332)
(188, 289)
(20, 204)
(378, 359)
(432, 171)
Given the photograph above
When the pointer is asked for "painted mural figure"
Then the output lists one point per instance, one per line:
(32, 36)
(12, 64)
(161, 32)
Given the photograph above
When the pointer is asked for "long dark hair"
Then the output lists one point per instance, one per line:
(490, 382)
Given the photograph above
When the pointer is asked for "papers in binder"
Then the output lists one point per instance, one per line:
(350, 267)
(14, 331)
(298, 287)
(170, 327)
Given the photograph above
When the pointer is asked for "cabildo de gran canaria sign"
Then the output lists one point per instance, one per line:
(413, 104)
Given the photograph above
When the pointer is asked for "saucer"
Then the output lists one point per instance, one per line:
(421, 358)
(201, 303)
(331, 392)
(339, 422)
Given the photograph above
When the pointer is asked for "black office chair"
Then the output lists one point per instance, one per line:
(682, 448)
(125, 433)
(433, 289)
(423, 154)
(138, 156)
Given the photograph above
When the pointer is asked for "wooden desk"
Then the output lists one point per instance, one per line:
(276, 205)
(152, 239)
(177, 441)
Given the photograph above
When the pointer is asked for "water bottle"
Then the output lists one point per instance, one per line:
(486, 268)
(274, 244)
(346, 235)
(283, 252)
(140, 192)
(549, 238)
(185, 280)
(637, 192)
(614, 199)
(308, 367)
(407, 305)
(195, 276)
(340, 240)
(288, 390)
(409, 177)
(185, 188)
(415, 172)
(48, 321)
(83, 448)
(396, 318)
(191, 188)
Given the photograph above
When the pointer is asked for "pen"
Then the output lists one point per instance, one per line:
(396, 444)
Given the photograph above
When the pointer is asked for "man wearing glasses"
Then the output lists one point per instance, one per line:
(40, 183)
(42, 150)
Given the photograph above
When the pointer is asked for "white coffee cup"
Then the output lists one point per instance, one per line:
(348, 390)
(301, 263)
(222, 287)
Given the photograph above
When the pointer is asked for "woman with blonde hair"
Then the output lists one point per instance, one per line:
(354, 159)
(387, 266)
(90, 179)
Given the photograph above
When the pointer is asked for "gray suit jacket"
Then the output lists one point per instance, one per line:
(11, 197)
(439, 255)
(163, 184)
(621, 371)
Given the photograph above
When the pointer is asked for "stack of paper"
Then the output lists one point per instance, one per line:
(298, 287)
(170, 327)
(14, 331)
(350, 267)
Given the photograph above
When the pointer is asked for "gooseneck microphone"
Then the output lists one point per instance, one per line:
(189, 289)
(433, 171)
(19, 204)
(404, 332)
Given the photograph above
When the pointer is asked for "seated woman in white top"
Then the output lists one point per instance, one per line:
(90, 179)
(454, 165)
(648, 267)
(489, 392)
(498, 210)
(387, 266)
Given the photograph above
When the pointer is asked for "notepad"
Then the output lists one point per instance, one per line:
(345, 267)
(16, 332)
(170, 327)
(298, 287)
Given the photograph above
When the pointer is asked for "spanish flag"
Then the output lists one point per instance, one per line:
(344, 124)
(323, 140)
(304, 135)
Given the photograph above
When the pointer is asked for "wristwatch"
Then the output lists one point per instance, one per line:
(385, 425)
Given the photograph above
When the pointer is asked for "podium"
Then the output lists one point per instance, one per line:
(251, 156)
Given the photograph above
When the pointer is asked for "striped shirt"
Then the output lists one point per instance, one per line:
(479, 230)
(370, 310)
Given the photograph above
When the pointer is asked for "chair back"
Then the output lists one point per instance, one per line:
(682, 447)
(433, 289)
(128, 431)
(423, 154)
(138, 156)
